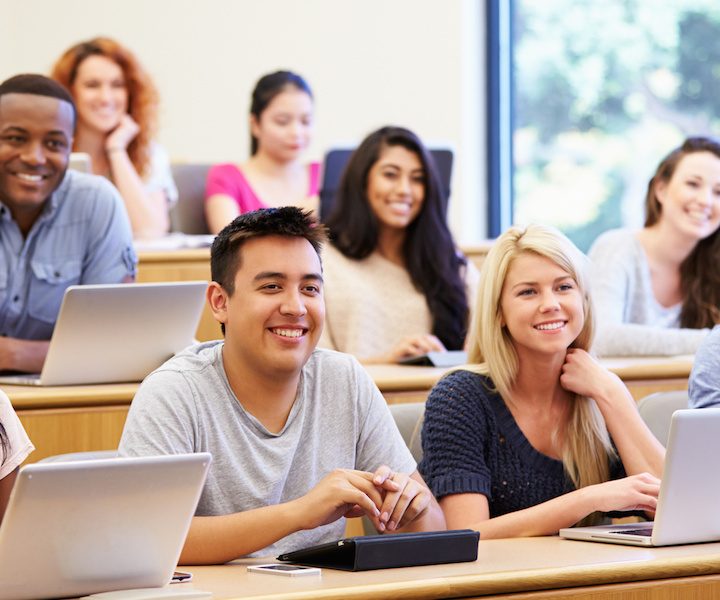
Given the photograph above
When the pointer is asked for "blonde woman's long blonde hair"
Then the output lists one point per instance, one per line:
(491, 352)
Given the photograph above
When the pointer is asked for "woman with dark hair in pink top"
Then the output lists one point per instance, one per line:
(281, 119)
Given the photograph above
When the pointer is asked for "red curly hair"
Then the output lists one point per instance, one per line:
(142, 94)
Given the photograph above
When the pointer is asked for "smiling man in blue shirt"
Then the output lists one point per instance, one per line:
(57, 227)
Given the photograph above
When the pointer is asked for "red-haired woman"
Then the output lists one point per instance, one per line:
(116, 106)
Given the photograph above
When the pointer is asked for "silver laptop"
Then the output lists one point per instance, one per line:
(93, 526)
(687, 510)
(118, 332)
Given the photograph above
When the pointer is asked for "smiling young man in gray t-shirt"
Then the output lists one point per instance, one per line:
(300, 437)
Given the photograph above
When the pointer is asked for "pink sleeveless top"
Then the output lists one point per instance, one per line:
(228, 179)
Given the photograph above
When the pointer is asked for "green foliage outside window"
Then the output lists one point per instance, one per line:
(604, 89)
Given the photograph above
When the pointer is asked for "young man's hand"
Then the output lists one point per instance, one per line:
(402, 505)
(342, 493)
(391, 500)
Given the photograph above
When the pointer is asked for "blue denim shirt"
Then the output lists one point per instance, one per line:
(82, 236)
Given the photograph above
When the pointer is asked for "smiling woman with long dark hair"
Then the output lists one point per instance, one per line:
(275, 174)
(395, 284)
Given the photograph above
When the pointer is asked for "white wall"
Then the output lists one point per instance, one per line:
(417, 63)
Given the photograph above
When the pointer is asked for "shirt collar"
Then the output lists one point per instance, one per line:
(5, 215)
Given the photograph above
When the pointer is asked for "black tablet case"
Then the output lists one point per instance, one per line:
(363, 553)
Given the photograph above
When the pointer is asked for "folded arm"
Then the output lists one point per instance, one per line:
(148, 211)
(639, 450)
(343, 492)
(27, 356)
(411, 507)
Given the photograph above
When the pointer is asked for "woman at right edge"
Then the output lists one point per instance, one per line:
(657, 290)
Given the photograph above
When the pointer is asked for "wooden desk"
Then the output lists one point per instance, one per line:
(193, 264)
(180, 265)
(642, 376)
(649, 374)
(477, 252)
(72, 418)
(515, 569)
(81, 418)
(402, 383)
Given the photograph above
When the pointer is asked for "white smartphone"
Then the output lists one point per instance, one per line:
(286, 570)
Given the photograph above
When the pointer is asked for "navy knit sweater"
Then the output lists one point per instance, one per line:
(472, 444)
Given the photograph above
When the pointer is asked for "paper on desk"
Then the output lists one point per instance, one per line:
(163, 593)
(175, 241)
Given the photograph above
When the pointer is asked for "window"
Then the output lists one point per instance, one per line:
(600, 92)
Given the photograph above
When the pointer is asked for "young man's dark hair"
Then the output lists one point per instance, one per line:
(288, 221)
(37, 85)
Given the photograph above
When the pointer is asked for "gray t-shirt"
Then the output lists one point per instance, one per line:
(704, 384)
(630, 321)
(339, 420)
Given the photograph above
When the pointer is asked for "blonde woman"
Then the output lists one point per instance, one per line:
(534, 435)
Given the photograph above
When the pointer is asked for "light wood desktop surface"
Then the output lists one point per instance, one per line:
(194, 264)
(538, 568)
(642, 376)
(91, 417)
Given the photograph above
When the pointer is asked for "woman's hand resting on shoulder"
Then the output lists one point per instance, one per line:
(584, 375)
(122, 135)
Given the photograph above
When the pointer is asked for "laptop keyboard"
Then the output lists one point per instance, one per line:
(644, 531)
(23, 379)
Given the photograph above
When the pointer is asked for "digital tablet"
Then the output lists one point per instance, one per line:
(391, 550)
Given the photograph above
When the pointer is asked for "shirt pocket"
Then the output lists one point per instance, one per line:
(47, 287)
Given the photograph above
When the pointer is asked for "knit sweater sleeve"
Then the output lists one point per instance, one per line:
(456, 435)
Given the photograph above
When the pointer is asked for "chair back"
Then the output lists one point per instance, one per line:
(409, 419)
(657, 410)
(188, 214)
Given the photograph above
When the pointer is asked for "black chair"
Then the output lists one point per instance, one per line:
(334, 165)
